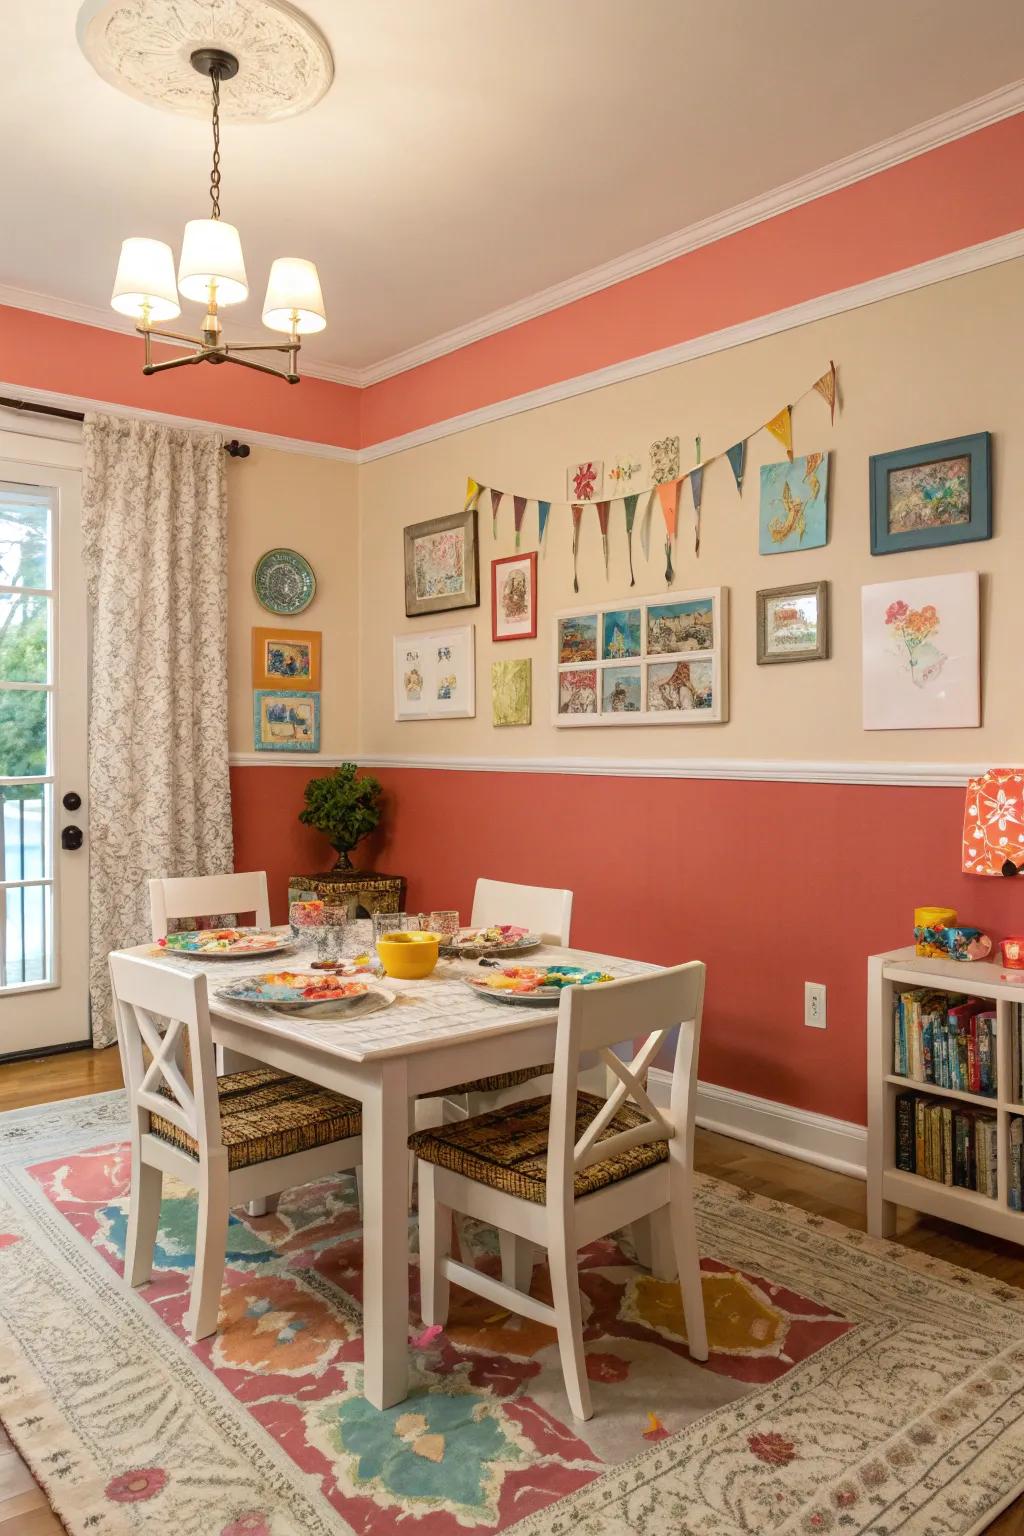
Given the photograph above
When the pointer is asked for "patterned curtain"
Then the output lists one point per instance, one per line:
(155, 533)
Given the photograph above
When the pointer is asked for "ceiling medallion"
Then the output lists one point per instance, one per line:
(145, 47)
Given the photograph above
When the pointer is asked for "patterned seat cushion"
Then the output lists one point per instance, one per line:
(493, 1084)
(508, 1148)
(266, 1114)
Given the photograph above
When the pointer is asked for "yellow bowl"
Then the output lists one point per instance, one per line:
(408, 956)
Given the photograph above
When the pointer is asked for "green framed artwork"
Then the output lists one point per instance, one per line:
(285, 722)
(937, 493)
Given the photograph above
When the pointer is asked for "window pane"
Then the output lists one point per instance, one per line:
(24, 626)
(29, 950)
(23, 851)
(24, 540)
(22, 732)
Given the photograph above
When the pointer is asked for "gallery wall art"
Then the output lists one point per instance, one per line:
(793, 623)
(286, 658)
(653, 661)
(285, 722)
(511, 692)
(921, 653)
(514, 597)
(442, 564)
(793, 511)
(434, 676)
(937, 493)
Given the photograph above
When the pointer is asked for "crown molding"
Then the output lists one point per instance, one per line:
(1005, 102)
(193, 423)
(110, 320)
(955, 124)
(972, 258)
(763, 770)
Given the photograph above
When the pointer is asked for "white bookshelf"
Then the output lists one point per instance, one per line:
(889, 1186)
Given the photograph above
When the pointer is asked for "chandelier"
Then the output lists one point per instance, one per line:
(212, 272)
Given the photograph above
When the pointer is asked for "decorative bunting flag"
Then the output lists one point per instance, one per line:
(577, 518)
(473, 489)
(668, 495)
(495, 504)
(781, 426)
(696, 488)
(630, 505)
(602, 517)
(645, 526)
(518, 513)
(543, 508)
(737, 456)
(826, 387)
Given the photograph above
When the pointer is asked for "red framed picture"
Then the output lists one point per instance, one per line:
(514, 597)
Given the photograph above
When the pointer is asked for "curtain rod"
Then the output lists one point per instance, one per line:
(236, 449)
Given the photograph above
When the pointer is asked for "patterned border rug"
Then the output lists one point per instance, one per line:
(853, 1386)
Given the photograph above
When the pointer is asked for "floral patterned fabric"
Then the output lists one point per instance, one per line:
(154, 518)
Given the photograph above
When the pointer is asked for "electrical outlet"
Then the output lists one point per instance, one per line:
(814, 1004)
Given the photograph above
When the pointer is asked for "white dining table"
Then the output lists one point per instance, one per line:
(438, 1032)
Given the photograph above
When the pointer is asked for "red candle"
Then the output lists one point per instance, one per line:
(1013, 952)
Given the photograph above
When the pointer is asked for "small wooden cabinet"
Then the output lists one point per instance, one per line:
(362, 891)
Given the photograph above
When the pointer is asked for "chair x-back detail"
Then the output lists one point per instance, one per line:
(564, 1171)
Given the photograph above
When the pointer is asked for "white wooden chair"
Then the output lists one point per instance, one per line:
(540, 908)
(208, 896)
(566, 1171)
(233, 1139)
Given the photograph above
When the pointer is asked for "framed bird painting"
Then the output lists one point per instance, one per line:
(794, 505)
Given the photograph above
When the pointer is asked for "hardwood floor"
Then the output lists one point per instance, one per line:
(24, 1510)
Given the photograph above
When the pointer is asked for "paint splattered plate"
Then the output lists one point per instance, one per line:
(283, 581)
(498, 939)
(226, 943)
(541, 985)
(286, 991)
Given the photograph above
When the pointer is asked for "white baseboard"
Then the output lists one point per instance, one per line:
(839, 1145)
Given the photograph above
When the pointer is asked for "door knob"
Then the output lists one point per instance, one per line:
(72, 800)
(71, 838)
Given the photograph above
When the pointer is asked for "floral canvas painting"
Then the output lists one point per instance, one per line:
(585, 481)
(680, 686)
(434, 675)
(623, 475)
(286, 722)
(683, 626)
(664, 460)
(794, 505)
(577, 691)
(620, 632)
(921, 653)
(511, 692)
(577, 638)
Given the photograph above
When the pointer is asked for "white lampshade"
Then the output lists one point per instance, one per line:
(294, 289)
(211, 252)
(145, 275)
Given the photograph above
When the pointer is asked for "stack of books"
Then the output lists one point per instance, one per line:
(950, 1143)
(1015, 1197)
(947, 1040)
(1017, 1051)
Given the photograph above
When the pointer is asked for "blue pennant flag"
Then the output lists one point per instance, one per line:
(737, 455)
(543, 508)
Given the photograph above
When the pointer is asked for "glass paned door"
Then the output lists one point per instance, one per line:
(43, 870)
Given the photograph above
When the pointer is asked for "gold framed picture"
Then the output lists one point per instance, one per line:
(286, 658)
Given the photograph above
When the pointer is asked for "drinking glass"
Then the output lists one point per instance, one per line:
(391, 922)
(328, 934)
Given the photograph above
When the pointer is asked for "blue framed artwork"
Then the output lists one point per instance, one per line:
(793, 512)
(285, 722)
(937, 493)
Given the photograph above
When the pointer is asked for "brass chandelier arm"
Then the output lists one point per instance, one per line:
(221, 354)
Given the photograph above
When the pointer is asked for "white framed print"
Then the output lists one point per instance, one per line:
(643, 661)
(921, 653)
(435, 675)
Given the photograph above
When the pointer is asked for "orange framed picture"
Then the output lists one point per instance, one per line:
(286, 658)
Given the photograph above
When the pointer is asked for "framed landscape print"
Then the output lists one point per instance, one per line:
(285, 722)
(434, 675)
(514, 597)
(653, 661)
(792, 623)
(442, 568)
(286, 658)
(938, 493)
(793, 510)
(922, 666)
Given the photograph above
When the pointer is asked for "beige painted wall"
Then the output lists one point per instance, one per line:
(309, 504)
(932, 364)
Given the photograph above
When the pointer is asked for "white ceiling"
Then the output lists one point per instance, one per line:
(473, 152)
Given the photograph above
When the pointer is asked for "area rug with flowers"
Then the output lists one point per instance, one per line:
(852, 1387)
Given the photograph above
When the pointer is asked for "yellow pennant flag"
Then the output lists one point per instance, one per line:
(781, 426)
(826, 387)
(473, 489)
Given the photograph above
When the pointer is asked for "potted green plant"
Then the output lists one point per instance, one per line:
(344, 807)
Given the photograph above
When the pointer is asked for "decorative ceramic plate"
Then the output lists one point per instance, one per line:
(226, 943)
(286, 991)
(499, 939)
(372, 1001)
(283, 581)
(533, 984)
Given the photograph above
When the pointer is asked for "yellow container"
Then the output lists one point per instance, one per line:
(408, 956)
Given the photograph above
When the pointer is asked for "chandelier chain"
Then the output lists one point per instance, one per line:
(215, 168)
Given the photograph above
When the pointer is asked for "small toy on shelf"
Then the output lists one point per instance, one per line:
(937, 936)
